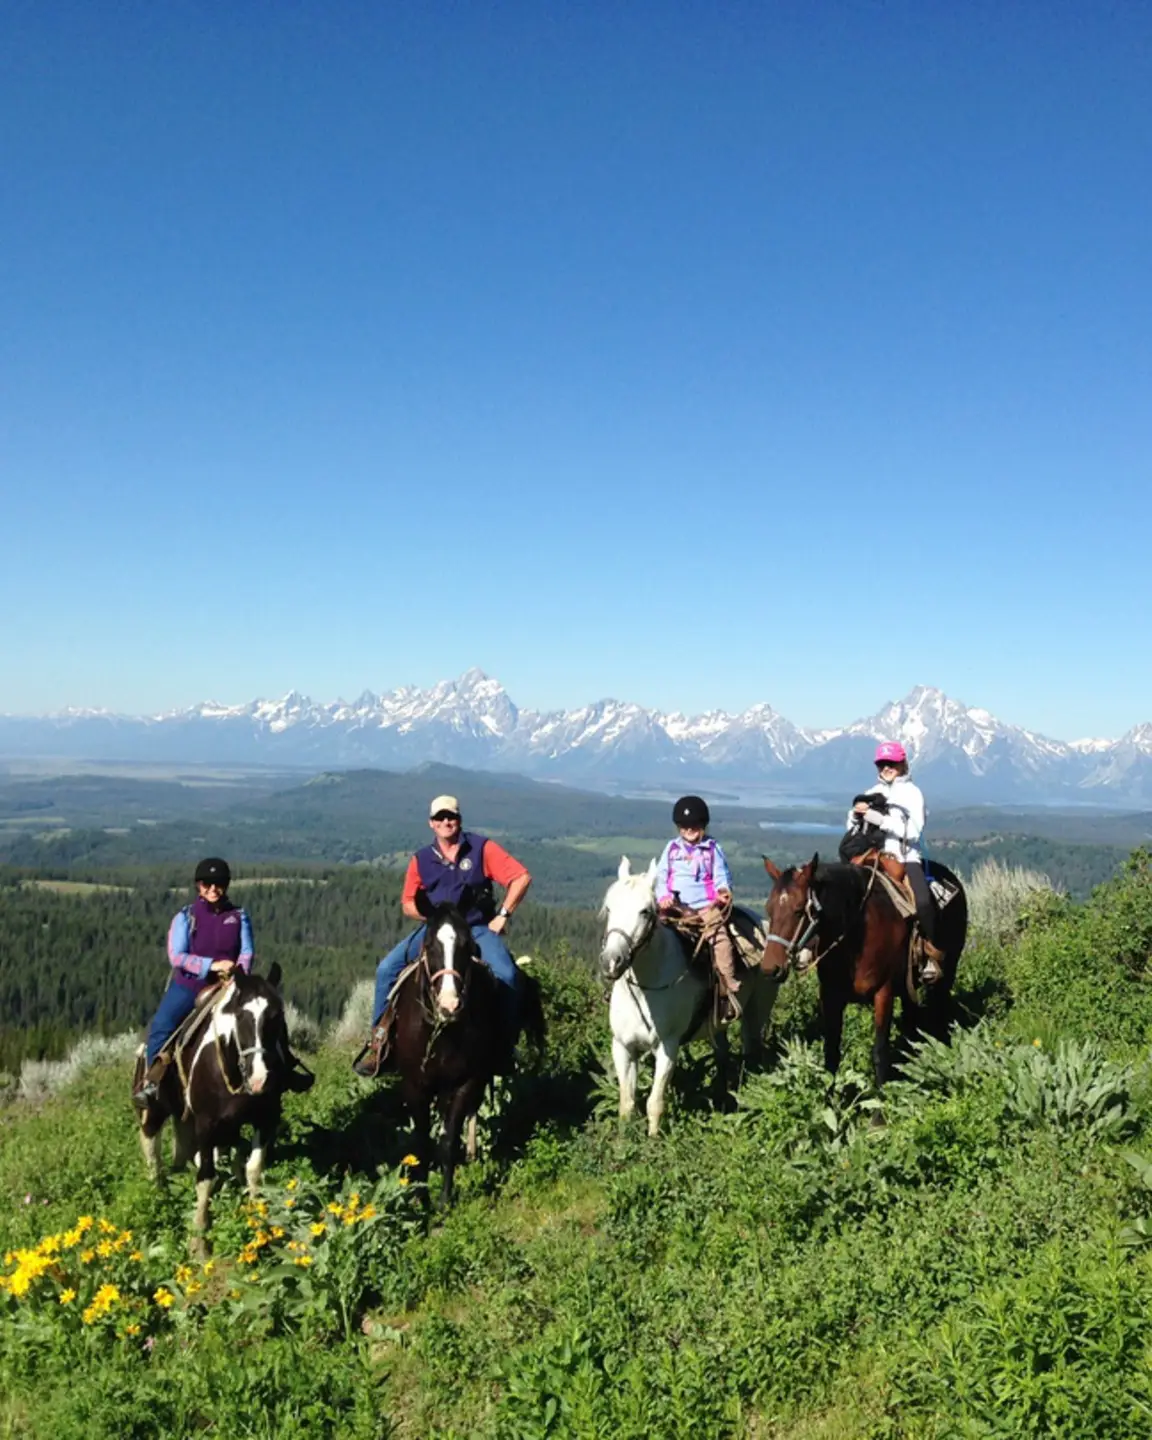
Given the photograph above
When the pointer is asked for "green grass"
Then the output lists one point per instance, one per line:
(980, 1265)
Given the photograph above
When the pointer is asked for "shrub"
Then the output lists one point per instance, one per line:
(999, 895)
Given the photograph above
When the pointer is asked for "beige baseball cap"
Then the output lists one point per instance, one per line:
(444, 802)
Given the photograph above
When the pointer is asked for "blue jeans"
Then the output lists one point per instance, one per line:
(176, 1004)
(493, 951)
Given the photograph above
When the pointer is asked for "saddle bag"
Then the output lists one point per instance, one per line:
(859, 840)
(943, 891)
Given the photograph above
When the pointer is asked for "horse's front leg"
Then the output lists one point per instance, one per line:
(205, 1181)
(465, 1101)
(420, 1107)
(666, 1054)
(265, 1134)
(627, 1076)
(882, 1004)
(832, 1005)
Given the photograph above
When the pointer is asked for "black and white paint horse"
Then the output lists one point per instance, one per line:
(229, 1071)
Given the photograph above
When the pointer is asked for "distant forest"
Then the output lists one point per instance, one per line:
(78, 960)
(95, 961)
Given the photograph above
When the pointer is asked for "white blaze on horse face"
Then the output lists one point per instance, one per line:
(448, 997)
(258, 1076)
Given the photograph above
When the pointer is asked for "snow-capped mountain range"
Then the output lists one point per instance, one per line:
(962, 753)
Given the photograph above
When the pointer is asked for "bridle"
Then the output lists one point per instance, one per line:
(803, 933)
(431, 976)
(633, 945)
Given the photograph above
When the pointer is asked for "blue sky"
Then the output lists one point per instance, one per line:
(696, 354)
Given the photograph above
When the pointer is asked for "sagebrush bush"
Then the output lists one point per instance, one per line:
(998, 897)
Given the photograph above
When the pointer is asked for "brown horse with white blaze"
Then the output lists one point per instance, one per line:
(841, 919)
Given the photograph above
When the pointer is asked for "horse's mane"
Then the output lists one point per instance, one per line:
(842, 891)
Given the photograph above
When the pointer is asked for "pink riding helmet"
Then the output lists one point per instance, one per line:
(891, 752)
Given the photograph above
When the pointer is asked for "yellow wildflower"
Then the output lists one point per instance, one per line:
(403, 1179)
(87, 1256)
(164, 1298)
(368, 1212)
(289, 1204)
(72, 1238)
(102, 1302)
(192, 1287)
(277, 1232)
(334, 1209)
(303, 1260)
(49, 1245)
(409, 1160)
(131, 1329)
(354, 1199)
(292, 1184)
(183, 1274)
(67, 1296)
(104, 1249)
(107, 1227)
(84, 1223)
(209, 1266)
(136, 1255)
(318, 1229)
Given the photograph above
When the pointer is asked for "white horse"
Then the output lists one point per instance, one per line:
(659, 1000)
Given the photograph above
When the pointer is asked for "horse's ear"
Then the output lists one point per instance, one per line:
(650, 874)
(815, 862)
(274, 975)
(625, 868)
(771, 867)
(422, 903)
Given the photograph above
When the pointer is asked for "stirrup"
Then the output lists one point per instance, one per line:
(367, 1064)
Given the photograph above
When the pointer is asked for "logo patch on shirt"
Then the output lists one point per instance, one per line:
(230, 920)
(465, 864)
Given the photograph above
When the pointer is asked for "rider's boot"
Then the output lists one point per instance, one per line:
(932, 962)
(371, 1060)
(150, 1083)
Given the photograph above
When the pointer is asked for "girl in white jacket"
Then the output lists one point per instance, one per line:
(901, 816)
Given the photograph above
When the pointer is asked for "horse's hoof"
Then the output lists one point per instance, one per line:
(878, 1122)
(198, 1248)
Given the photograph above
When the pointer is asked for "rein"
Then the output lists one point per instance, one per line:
(812, 912)
(185, 1076)
(628, 974)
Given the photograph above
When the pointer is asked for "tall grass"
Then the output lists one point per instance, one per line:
(998, 895)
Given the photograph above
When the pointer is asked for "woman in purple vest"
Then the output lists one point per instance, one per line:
(206, 941)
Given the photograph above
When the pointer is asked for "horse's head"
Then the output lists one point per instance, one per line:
(449, 950)
(629, 912)
(251, 1016)
(793, 911)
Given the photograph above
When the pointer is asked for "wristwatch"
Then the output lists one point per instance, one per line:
(504, 912)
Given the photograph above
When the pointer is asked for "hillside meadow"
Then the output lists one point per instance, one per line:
(980, 1264)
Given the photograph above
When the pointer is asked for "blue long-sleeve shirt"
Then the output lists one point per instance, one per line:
(694, 872)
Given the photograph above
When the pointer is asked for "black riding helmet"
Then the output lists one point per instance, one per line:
(213, 872)
(690, 813)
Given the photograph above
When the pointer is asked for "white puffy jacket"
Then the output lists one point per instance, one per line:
(904, 823)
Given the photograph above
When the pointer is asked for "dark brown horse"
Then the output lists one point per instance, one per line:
(231, 1070)
(450, 1035)
(841, 919)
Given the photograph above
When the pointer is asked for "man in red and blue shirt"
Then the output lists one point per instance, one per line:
(458, 868)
